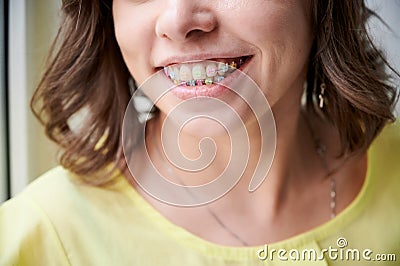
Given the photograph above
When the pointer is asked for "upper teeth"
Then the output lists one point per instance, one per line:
(185, 73)
(193, 74)
(198, 72)
(211, 70)
(222, 68)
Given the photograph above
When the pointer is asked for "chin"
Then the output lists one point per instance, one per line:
(200, 126)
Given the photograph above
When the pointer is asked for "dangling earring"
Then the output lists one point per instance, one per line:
(143, 105)
(132, 85)
(321, 95)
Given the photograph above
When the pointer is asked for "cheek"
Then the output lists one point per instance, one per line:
(284, 27)
(287, 44)
(133, 32)
(282, 32)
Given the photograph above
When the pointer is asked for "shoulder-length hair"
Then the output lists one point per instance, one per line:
(86, 70)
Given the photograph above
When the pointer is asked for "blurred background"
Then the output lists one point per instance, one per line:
(27, 28)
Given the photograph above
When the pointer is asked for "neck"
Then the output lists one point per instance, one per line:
(292, 147)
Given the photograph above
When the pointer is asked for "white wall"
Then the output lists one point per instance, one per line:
(31, 28)
(3, 129)
(389, 39)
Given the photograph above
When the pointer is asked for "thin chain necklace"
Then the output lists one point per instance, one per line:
(320, 149)
(173, 174)
(210, 211)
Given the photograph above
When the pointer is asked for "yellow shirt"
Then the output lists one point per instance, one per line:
(58, 220)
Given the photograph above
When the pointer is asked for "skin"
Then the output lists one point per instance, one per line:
(277, 33)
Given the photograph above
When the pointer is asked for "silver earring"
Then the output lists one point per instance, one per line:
(143, 105)
(132, 86)
(321, 96)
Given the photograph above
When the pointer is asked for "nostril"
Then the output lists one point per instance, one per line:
(194, 33)
(185, 21)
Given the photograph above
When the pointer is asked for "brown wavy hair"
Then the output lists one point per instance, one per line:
(86, 70)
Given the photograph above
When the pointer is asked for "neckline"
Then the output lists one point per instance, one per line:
(193, 241)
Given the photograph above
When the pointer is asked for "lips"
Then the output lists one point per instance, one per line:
(206, 72)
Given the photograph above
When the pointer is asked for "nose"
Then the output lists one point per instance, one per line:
(185, 19)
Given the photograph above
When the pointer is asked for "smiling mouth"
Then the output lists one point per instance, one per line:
(205, 72)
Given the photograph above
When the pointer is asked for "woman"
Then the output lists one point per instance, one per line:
(330, 194)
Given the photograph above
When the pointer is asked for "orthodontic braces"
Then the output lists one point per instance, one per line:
(209, 80)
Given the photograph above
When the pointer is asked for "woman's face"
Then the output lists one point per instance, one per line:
(269, 40)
